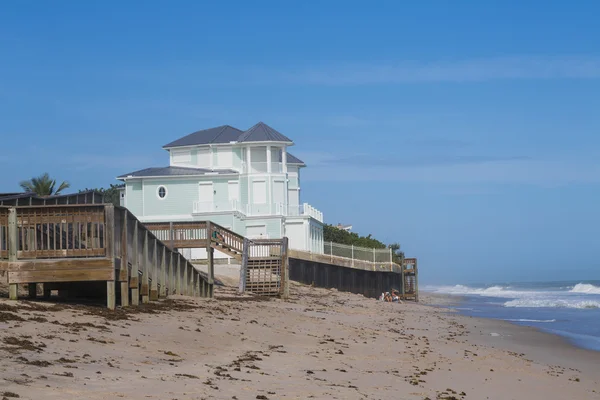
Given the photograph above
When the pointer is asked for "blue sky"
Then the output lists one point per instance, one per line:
(467, 131)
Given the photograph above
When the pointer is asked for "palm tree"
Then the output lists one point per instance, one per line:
(43, 185)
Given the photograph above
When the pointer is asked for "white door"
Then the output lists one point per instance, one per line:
(205, 197)
(256, 232)
(278, 192)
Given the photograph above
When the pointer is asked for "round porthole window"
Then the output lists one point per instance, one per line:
(161, 192)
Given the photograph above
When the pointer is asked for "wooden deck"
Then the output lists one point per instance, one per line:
(55, 244)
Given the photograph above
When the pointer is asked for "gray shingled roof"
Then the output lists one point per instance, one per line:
(291, 159)
(262, 132)
(220, 134)
(174, 171)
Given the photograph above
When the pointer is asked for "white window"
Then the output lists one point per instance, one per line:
(182, 156)
(259, 192)
(225, 157)
(203, 157)
(278, 192)
(161, 192)
(233, 190)
(294, 197)
(205, 192)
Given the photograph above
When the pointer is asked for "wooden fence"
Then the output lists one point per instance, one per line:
(55, 244)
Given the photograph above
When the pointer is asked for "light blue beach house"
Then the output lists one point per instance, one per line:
(245, 181)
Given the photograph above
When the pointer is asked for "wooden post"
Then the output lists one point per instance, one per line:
(171, 274)
(402, 277)
(186, 286)
(13, 243)
(179, 291)
(134, 281)
(285, 268)
(191, 273)
(244, 266)
(416, 281)
(145, 268)
(210, 265)
(211, 271)
(171, 236)
(124, 275)
(154, 287)
(195, 283)
(163, 272)
(109, 242)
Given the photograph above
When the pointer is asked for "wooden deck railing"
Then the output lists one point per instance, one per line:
(3, 232)
(61, 231)
(196, 234)
(75, 243)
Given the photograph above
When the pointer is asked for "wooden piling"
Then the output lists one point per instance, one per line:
(154, 285)
(163, 272)
(145, 267)
(109, 239)
(13, 243)
(134, 278)
(124, 273)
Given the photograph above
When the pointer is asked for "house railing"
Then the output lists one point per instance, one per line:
(261, 167)
(209, 206)
(254, 210)
(377, 256)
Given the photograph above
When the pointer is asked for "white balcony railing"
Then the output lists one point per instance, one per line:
(261, 167)
(208, 206)
(302, 210)
(255, 210)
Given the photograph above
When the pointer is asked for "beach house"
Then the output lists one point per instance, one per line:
(245, 181)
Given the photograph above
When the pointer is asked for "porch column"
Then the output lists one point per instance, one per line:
(269, 181)
(248, 159)
(286, 196)
(284, 159)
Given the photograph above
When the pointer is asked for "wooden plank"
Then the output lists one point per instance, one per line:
(58, 264)
(61, 276)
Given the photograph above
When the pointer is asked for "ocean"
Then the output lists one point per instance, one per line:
(568, 309)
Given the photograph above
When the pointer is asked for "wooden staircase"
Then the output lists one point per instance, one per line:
(263, 262)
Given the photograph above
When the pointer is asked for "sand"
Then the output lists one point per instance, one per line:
(322, 344)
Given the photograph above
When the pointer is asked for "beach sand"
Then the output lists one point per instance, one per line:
(322, 344)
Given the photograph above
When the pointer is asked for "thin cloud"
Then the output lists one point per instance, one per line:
(472, 70)
(407, 160)
(545, 173)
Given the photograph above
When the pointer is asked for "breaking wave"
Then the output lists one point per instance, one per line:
(585, 288)
(492, 291)
(530, 320)
(552, 303)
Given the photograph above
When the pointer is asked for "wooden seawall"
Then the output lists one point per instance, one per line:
(59, 245)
